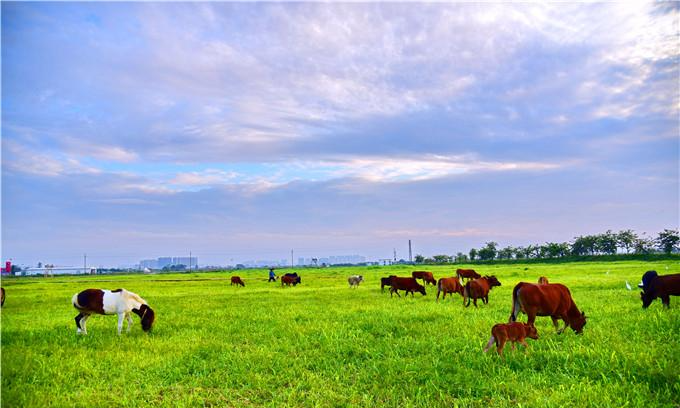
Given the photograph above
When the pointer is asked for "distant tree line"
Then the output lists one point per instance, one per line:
(608, 243)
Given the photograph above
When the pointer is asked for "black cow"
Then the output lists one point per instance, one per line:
(655, 286)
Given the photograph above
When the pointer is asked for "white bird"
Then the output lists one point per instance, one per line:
(628, 286)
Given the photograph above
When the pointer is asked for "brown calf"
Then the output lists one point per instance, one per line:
(449, 285)
(425, 276)
(542, 280)
(406, 284)
(467, 274)
(479, 289)
(236, 280)
(515, 332)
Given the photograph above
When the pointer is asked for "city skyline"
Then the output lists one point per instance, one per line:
(244, 130)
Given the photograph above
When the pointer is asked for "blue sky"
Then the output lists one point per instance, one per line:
(239, 130)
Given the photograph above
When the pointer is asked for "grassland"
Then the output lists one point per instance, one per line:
(323, 344)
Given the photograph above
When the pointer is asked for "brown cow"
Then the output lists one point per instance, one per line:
(386, 282)
(406, 284)
(236, 280)
(479, 289)
(425, 276)
(449, 285)
(288, 279)
(656, 286)
(552, 299)
(467, 274)
(515, 332)
(542, 280)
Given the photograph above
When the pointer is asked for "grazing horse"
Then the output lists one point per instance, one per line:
(479, 289)
(467, 274)
(107, 302)
(426, 276)
(2, 293)
(655, 286)
(542, 280)
(236, 280)
(386, 282)
(355, 280)
(552, 299)
(515, 332)
(449, 285)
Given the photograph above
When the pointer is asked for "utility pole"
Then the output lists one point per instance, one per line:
(84, 263)
(189, 261)
(291, 258)
(410, 254)
(394, 250)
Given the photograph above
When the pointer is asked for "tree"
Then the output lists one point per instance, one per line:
(643, 246)
(520, 252)
(626, 239)
(506, 253)
(488, 252)
(461, 257)
(584, 245)
(441, 259)
(667, 240)
(606, 243)
(419, 259)
(473, 254)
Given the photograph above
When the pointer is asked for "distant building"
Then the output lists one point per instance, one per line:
(148, 264)
(185, 260)
(164, 261)
(59, 270)
(168, 261)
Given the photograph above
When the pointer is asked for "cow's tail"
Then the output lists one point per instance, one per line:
(466, 294)
(74, 301)
(490, 343)
(516, 306)
(439, 288)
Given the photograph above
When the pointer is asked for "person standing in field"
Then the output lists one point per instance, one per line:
(272, 275)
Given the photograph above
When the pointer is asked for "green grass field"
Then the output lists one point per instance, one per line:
(323, 344)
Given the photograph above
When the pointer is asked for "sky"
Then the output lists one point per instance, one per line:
(240, 131)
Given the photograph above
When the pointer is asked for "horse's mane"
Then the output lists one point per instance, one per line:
(135, 296)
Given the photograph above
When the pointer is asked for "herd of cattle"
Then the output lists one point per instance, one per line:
(539, 299)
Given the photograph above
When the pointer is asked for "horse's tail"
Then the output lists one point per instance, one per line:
(74, 301)
(516, 306)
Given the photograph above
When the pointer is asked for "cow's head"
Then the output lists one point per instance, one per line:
(647, 299)
(361, 278)
(578, 323)
(147, 315)
(492, 281)
(421, 289)
(531, 331)
(647, 279)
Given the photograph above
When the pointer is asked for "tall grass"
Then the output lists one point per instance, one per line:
(323, 344)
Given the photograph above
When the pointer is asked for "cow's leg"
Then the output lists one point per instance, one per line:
(666, 300)
(524, 343)
(121, 317)
(556, 322)
(566, 324)
(531, 316)
(128, 317)
(475, 301)
(513, 345)
(501, 344)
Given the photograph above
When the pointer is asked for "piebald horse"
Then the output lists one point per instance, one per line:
(107, 302)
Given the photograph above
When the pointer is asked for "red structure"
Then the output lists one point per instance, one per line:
(8, 267)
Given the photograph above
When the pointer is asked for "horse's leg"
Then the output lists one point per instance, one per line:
(83, 323)
(129, 321)
(78, 319)
(121, 317)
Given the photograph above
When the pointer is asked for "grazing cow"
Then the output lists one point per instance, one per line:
(467, 274)
(355, 280)
(449, 285)
(655, 286)
(552, 299)
(425, 276)
(515, 332)
(386, 282)
(406, 284)
(2, 294)
(542, 280)
(479, 289)
(107, 302)
(290, 278)
(236, 280)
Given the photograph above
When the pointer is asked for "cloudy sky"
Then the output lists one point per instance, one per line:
(241, 131)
